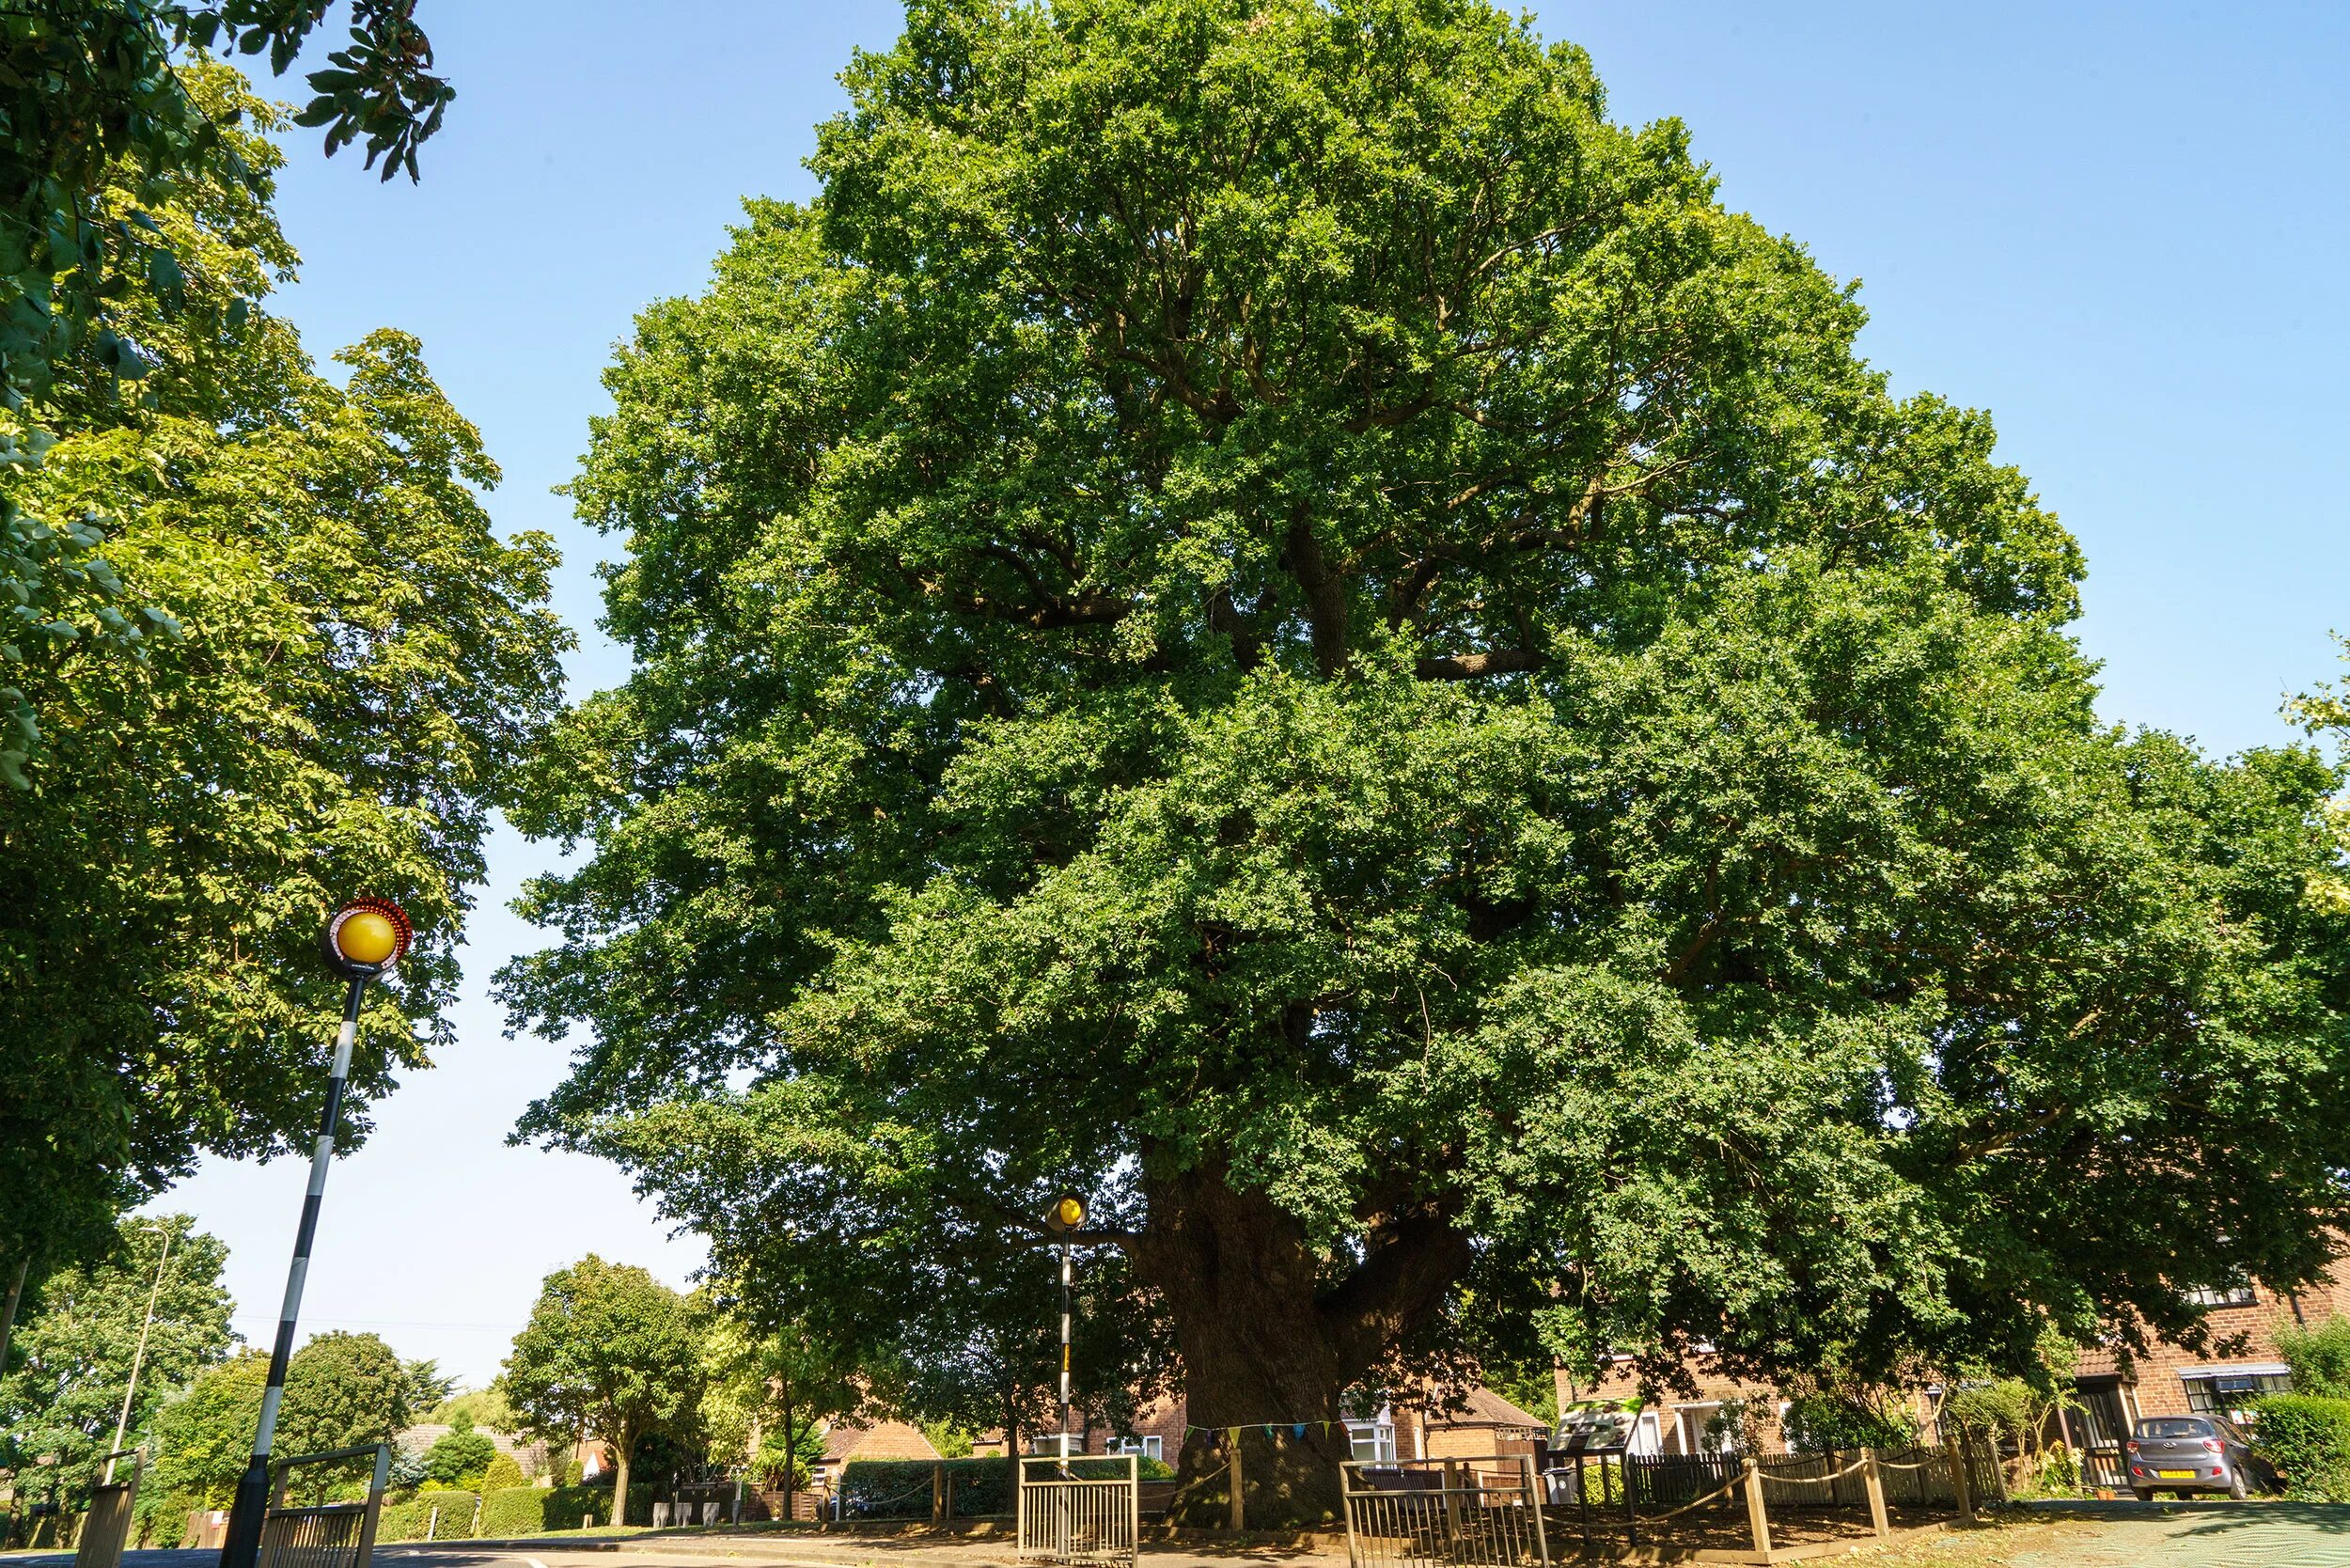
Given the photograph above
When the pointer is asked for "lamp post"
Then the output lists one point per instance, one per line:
(363, 940)
(138, 1356)
(1067, 1213)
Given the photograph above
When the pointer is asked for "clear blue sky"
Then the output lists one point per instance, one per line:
(2120, 229)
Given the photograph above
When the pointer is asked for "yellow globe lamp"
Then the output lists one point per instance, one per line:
(1067, 1213)
(366, 936)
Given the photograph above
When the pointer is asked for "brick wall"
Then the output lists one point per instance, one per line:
(2244, 1339)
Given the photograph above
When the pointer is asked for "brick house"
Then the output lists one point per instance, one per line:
(848, 1440)
(2245, 1319)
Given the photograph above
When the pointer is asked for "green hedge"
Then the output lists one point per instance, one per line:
(409, 1520)
(901, 1488)
(512, 1511)
(505, 1513)
(2308, 1439)
(563, 1507)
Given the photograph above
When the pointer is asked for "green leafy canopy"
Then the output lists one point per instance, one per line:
(71, 1353)
(108, 116)
(359, 659)
(1263, 613)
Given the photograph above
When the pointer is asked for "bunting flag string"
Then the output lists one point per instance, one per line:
(1294, 1431)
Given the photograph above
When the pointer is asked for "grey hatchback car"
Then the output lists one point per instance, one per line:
(2189, 1454)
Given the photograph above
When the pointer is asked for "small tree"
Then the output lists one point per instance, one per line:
(609, 1350)
(458, 1454)
(770, 1390)
(1823, 1420)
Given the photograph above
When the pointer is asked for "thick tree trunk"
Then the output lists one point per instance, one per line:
(791, 1465)
(1268, 1342)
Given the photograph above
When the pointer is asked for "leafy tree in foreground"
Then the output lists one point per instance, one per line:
(1263, 613)
(610, 1353)
(104, 126)
(766, 1395)
(73, 1351)
(204, 1439)
(360, 657)
(341, 1391)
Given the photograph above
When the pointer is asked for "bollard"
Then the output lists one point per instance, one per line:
(1875, 1479)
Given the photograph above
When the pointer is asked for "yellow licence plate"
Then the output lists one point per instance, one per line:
(2176, 1475)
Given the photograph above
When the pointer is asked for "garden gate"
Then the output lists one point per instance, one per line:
(1072, 1511)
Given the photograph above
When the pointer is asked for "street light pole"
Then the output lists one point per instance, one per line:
(138, 1356)
(361, 941)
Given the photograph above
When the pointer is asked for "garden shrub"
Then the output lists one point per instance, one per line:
(2307, 1437)
(2319, 1358)
(504, 1471)
(1826, 1423)
(460, 1453)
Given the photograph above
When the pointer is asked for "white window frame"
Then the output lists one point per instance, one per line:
(1690, 1421)
(1378, 1436)
(2268, 1372)
(2222, 1297)
(1150, 1445)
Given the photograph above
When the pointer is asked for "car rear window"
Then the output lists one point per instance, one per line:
(2174, 1426)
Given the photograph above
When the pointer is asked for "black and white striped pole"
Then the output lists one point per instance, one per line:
(1068, 1213)
(363, 941)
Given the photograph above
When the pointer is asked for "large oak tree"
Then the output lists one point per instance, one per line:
(1263, 612)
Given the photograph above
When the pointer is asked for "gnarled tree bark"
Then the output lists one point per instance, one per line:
(1271, 1335)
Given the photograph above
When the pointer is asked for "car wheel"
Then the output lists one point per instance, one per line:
(2142, 1494)
(2236, 1488)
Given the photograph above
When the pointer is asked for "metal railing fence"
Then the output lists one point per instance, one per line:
(324, 1535)
(1481, 1513)
(1066, 1517)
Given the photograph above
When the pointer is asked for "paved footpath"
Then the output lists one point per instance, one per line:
(846, 1549)
(2268, 1535)
(2142, 1535)
(2117, 1535)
